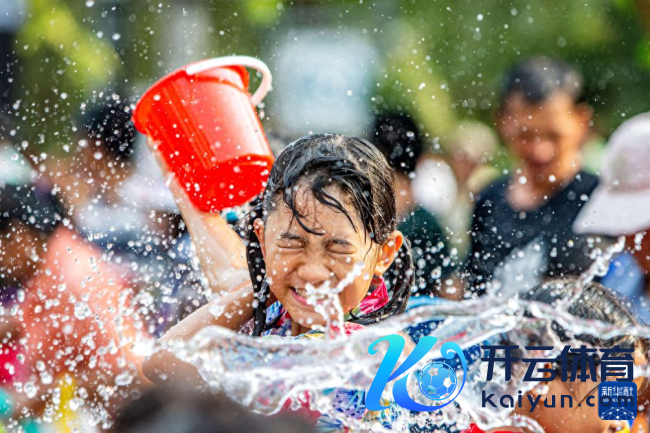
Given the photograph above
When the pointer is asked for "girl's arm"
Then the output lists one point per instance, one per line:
(163, 368)
(221, 253)
(222, 258)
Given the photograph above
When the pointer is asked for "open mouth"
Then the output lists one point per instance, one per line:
(300, 292)
(300, 295)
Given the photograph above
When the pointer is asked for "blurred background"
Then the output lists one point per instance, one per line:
(334, 62)
(336, 65)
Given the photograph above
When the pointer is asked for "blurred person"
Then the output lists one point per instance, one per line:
(11, 19)
(472, 146)
(105, 162)
(521, 226)
(595, 303)
(119, 201)
(620, 206)
(398, 138)
(190, 411)
(15, 165)
(72, 319)
(447, 187)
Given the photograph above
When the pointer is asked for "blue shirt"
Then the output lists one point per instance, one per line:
(626, 278)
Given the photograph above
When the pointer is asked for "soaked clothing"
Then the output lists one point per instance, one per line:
(503, 237)
(77, 312)
(430, 254)
(350, 403)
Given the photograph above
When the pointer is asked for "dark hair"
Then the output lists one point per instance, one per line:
(597, 303)
(398, 138)
(191, 410)
(537, 78)
(31, 206)
(110, 123)
(360, 171)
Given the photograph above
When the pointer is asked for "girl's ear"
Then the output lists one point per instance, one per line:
(258, 226)
(388, 252)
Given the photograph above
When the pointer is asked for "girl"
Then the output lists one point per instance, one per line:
(327, 213)
(596, 303)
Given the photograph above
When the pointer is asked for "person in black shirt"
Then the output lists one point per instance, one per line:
(521, 227)
(398, 138)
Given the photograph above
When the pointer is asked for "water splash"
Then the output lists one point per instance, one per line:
(598, 268)
(327, 303)
(263, 373)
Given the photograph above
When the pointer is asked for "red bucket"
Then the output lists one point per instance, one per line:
(202, 122)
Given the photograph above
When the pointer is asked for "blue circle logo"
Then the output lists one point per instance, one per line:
(437, 380)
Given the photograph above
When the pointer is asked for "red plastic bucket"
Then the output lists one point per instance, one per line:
(202, 122)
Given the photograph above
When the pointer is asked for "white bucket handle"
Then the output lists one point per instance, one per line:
(249, 62)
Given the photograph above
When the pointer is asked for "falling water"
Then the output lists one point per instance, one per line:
(263, 373)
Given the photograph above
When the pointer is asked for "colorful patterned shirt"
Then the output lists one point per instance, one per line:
(350, 403)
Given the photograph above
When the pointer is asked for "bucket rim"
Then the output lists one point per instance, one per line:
(149, 93)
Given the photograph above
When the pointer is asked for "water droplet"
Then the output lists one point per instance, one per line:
(82, 311)
(217, 310)
(123, 379)
(30, 390)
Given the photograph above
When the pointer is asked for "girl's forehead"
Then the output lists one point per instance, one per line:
(316, 215)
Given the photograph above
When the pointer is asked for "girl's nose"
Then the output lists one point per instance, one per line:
(314, 273)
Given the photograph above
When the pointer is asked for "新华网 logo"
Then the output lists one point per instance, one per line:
(617, 401)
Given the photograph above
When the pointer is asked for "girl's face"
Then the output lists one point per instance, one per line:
(295, 258)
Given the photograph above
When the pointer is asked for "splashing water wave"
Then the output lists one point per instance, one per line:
(263, 373)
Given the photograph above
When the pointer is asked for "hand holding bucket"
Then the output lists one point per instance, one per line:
(202, 122)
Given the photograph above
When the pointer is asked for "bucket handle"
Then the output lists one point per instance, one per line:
(249, 62)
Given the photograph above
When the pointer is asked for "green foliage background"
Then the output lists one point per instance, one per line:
(443, 59)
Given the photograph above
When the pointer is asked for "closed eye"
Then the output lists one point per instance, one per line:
(290, 245)
(290, 241)
(340, 246)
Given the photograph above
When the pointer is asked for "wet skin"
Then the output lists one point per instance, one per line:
(295, 258)
(546, 137)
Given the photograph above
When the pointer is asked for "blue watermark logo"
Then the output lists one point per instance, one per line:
(437, 380)
(617, 401)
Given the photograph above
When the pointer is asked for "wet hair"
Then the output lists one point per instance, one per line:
(597, 303)
(360, 171)
(398, 138)
(539, 77)
(191, 410)
(110, 123)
